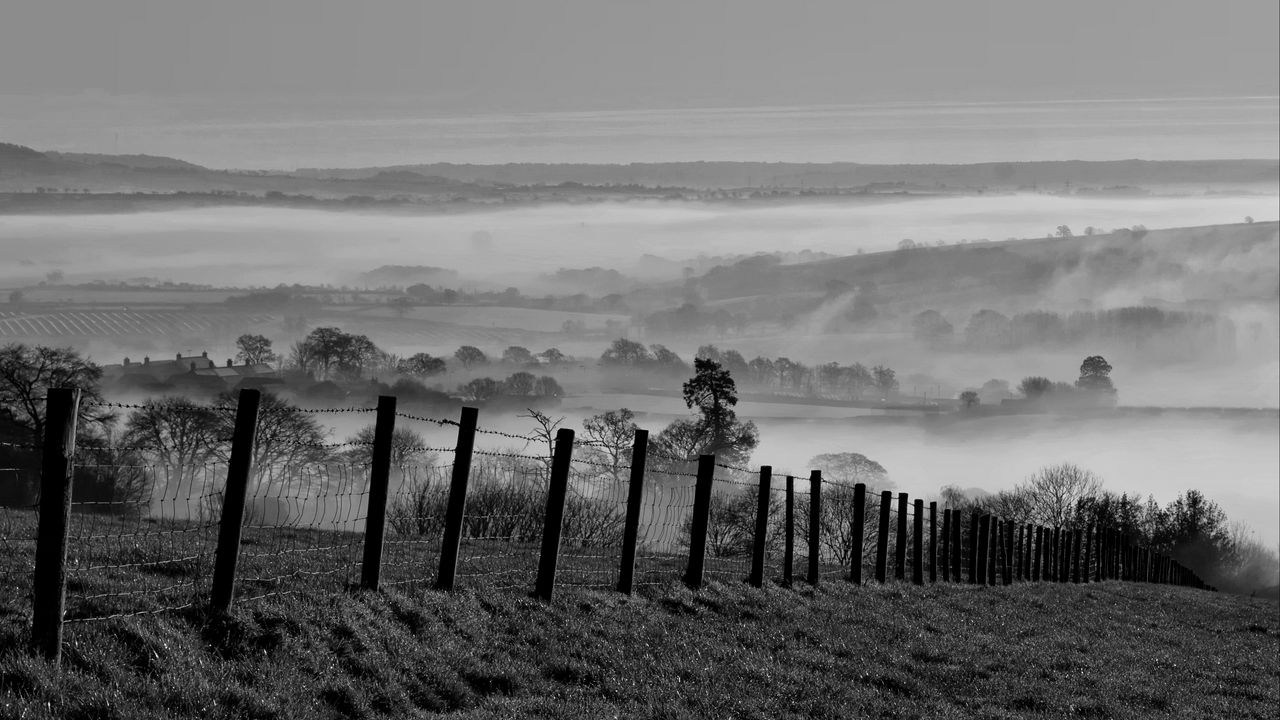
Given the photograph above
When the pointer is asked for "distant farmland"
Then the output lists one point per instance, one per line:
(72, 324)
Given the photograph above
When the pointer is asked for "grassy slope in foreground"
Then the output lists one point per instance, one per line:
(1104, 651)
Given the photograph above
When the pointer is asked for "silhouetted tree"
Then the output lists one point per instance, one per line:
(1095, 375)
(255, 350)
(421, 365)
(470, 356)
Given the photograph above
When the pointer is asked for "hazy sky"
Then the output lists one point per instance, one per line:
(485, 55)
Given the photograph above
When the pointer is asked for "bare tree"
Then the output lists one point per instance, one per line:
(1053, 494)
(610, 437)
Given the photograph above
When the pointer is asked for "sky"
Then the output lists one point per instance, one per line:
(557, 55)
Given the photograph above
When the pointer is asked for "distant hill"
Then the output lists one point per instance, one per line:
(142, 162)
(704, 175)
(1206, 266)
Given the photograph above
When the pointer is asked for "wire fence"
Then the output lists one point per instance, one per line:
(147, 537)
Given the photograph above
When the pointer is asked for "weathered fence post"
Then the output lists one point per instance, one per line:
(762, 527)
(1076, 547)
(946, 544)
(1035, 556)
(557, 491)
(859, 532)
(917, 544)
(956, 554)
(815, 526)
(1122, 552)
(1026, 550)
(993, 545)
(984, 539)
(456, 509)
(701, 516)
(233, 496)
(974, 527)
(1008, 553)
(900, 550)
(1087, 568)
(789, 527)
(882, 537)
(635, 499)
(49, 581)
(379, 479)
(933, 542)
(1018, 560)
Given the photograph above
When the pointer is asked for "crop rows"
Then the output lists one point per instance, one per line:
(106, 323)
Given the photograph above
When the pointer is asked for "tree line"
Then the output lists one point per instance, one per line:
(991, 330)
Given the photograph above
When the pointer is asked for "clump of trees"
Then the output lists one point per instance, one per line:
(1093, 387)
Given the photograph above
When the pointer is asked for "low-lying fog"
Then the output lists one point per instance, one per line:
(240, 247)
(1233, 459)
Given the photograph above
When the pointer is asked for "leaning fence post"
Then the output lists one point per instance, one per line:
(758, 541)
(882, 537)
(946, 544)
(933, 542)
(789, 532)
(815, 526)
(701, 514)
(457, 499)
(379, 478)
(557, 491)
(233, 496)
(900, 550)
(49, 582)
(859, 531)
(635, 497)
(917, 547)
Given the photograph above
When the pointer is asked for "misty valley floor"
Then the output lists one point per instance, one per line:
(1107, 650)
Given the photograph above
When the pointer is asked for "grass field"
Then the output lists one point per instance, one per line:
(1098, 651)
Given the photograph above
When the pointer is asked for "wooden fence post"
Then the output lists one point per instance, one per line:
(946, 544)
(457, 499)
(239, 468)
(57, 464)
(993, 545)
(1087, 568)
(375, 523)
(701, 515)
(815, 526)
(933, 542)
(1076, 546)
(917, 544)
(635, 499)
(789, 528)
(859, 531)
(1018, 560)
(975, 524)
(557, 491)
(984, 539)
(762, 526)
(1028, 541)
(882, 537)
(1008, 553)
(900, 550)
(1035, 555)
(956, 554)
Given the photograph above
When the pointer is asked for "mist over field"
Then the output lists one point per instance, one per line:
(266, 247)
